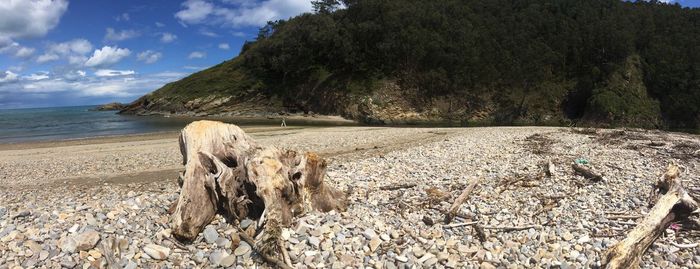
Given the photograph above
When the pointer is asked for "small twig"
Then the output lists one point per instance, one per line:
(512, 228)
(693, 245)
(176, 243)
(455, 225)
(397, 187)
(267, 258)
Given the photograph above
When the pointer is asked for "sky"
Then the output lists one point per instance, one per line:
(85, 52)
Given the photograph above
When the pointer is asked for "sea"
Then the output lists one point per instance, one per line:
(66, 123)
(78, 122)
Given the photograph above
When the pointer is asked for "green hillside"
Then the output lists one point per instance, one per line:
(598, 62)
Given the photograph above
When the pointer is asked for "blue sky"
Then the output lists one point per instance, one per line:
(71, 52)
(79, 52)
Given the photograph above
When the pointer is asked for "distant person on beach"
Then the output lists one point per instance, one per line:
(284, 124)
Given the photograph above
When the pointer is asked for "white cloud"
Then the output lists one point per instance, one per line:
(8, 77)
(195, 11)
(224, 46)
(47, 57)
(120, 35)
(197, 55)
(15, 49)
(107, 56)
(160, 24)
(37, 76)
(74, 51)
(25, 92)
(240, 13)
(149, 56)
(167, 37)
(123, 17)
(24, 52)
(29, 18)
(113, 73)
(207, 32)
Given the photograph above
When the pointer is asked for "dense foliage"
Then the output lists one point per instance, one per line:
(516, 47)
(600, 60)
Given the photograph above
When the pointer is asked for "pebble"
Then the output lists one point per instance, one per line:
(242, 249)
(374, 244)
(156, 252)
(210, 234)
(87, 240)
(314, 241)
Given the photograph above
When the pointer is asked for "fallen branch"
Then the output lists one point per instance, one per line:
(459, 201)
(267, 258)
(397, 187)
(587, 172)
(674, 204)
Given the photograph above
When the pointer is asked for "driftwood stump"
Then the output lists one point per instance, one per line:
(673, 205)
(227, 172)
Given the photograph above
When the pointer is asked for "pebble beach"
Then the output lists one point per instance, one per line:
(102, 203)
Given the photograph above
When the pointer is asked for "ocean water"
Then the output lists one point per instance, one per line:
(60, 123)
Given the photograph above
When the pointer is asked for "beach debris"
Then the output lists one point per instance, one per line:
(227, 172)
(673, 204)
(587, 172)
(394, 187)
(461, 199)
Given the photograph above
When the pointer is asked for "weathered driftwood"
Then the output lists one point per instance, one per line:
(452, 212)
(226, 172)
(673, 205)
(394, 187)
(586, 172)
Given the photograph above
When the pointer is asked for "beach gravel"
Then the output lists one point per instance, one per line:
(52, 216)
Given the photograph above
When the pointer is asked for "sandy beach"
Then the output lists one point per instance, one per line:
(57, 197)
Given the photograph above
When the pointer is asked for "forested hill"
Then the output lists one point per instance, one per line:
(601, 62)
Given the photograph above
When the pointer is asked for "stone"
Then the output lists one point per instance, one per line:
(217, 257)
(567, 236)
(156, 252)
(384, 237)
(486, 265)
(584, 239)
(131, 265)
(314, 241)
(210, 234)
(401, 258)
(245, 223)
(87, 240)
(228, 261)
(95, 253)
(374, 243)
(43, 255)
(242, 249)
(369, 234)
(418, 251)
(67, 244)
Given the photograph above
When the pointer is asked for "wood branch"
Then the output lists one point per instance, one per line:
(267, 258)
(586, 172)
(675, 204)
(512, 228)
(397, 187)
(455, 225)
(452, 212)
